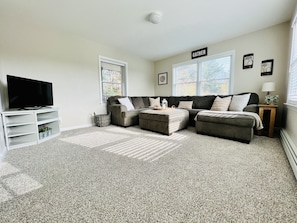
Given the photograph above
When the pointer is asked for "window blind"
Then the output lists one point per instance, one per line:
(292, 86)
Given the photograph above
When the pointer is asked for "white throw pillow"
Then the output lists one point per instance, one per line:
(239, 102)
(221, 104)
(185, 104)
(126, 101)
(155, 102)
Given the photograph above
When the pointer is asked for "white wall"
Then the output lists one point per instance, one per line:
(270, 43)
(71, 64)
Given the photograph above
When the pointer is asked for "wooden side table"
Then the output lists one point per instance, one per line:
(272, 108)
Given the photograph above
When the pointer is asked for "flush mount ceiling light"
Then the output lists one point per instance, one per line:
(155, 17)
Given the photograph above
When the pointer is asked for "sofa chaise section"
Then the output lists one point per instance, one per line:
(238, 127)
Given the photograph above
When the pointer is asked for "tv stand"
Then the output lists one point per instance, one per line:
(29, 127)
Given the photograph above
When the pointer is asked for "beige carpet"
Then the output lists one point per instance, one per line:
(141, 176)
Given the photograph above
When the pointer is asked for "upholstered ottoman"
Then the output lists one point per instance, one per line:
(239, 127)
(164, 121)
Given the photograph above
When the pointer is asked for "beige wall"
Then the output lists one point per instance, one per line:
(71, 64)
(270, 43)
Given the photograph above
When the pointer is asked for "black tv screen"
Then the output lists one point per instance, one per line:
(28, 93)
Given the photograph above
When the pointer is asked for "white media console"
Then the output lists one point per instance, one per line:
(28, 127)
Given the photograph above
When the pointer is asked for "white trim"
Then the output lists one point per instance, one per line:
(290, 149)
(113, 61)
(291, 107)
(201, 59)
(2, 155)
(116, 62)
(76, 127)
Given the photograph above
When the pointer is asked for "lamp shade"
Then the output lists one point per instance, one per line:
(268, 86)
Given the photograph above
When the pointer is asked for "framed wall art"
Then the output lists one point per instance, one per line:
(248, 61)
(266, 67)
(162, 78)
(199, 53)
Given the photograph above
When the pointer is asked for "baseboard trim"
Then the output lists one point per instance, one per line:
(290, 150)
(76, 127)
(2, 155)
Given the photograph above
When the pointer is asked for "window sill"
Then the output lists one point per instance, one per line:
(291, 107)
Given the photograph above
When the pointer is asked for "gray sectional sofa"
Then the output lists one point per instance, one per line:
(240, 128)
(120, 116)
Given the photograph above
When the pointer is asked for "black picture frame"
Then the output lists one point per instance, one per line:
(163, 78)
(267, 67)
(248, 61)
(199, 53)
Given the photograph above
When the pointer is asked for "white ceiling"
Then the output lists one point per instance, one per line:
(186, 25)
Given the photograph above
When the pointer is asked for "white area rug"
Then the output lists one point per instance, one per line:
(121, 130)
(94, 139)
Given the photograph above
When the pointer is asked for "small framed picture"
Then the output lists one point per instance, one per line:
(162, 78)
(248, 61)
(266, 67)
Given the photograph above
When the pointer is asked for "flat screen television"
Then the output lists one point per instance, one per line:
(24, 93)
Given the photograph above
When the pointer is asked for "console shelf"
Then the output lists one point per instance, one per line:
(25, 128)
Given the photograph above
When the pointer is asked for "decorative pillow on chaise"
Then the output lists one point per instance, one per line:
(239, 102)
(221, 104)
(155, 102)
(126, 101)
(185, 104)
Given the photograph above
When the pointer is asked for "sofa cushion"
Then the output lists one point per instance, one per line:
(126, 101)
(138, 102)
(185, 104)
(226, 118)
(203, 102)
(221, 104)
(146, 102)
(174, 100)
(239, 102)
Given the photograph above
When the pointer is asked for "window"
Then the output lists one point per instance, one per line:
(210, 75)
(292, 86)
(112, 78)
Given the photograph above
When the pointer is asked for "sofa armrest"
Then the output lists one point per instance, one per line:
(116, 111)
(251, 108)
(117, 108)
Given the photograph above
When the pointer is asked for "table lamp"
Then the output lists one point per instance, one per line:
(268, 87)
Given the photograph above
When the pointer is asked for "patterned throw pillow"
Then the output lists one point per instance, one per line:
(221, 104)
(155, 102)
(185, 104)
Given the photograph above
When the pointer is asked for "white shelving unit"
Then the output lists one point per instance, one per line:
(29, 127)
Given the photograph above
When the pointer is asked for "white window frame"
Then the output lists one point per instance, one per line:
(292, 98)
(202, 59)
(124, 76)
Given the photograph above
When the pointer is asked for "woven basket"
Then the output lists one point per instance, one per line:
(102, 120)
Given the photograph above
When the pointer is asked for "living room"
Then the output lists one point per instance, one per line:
(31, 49)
